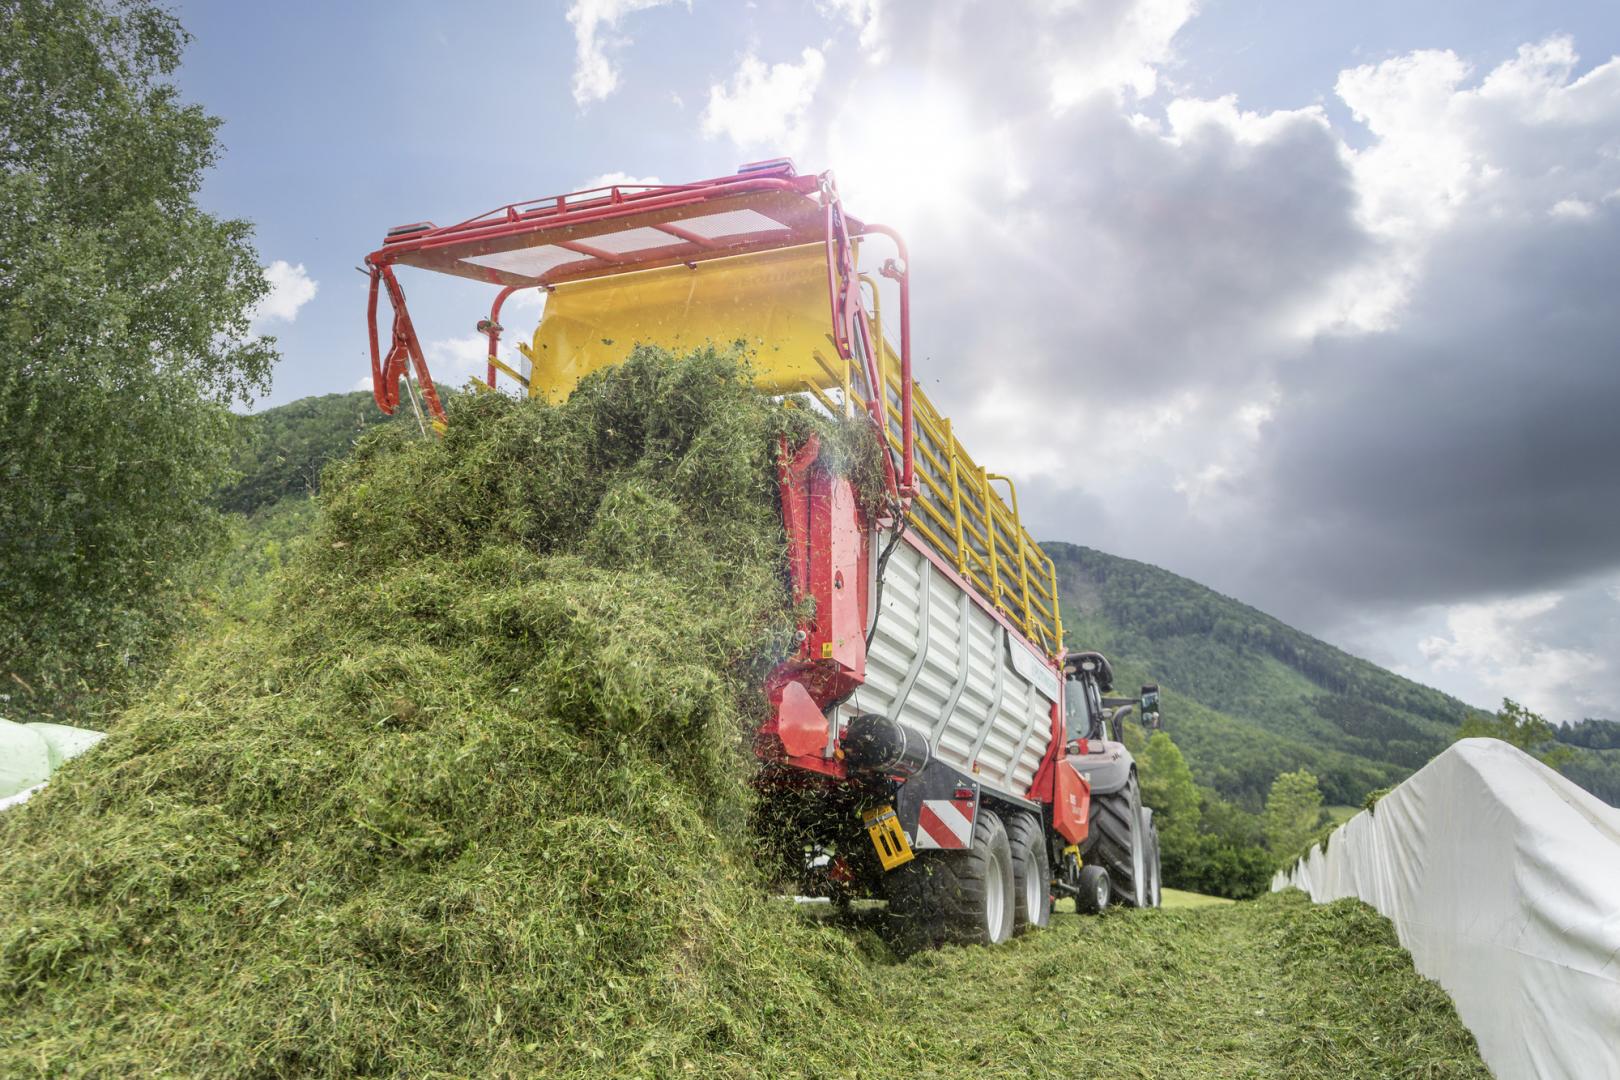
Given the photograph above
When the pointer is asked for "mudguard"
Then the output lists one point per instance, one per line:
(1107, 767)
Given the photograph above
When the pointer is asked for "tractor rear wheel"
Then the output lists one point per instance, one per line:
(957, 896)
(1122, 842)
(1032, 873)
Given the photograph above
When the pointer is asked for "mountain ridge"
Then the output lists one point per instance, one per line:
(1291, 700)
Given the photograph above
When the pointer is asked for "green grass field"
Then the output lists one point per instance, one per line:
(1178, 898)
(1172, 898)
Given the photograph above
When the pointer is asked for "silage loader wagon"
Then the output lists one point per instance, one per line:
(929, 740)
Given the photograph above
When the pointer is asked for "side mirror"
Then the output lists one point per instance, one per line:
(1150, 707)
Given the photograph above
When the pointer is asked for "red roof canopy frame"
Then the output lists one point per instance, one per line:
(626, 227)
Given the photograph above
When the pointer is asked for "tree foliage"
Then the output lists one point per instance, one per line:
(280, 452)
(1227, 856)
(1517, 726)
(1205, 843)
(124, 319)
(1592, 734)
(1168, 787)
(1293, 814)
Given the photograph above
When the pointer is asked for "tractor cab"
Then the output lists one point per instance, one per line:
(1090, 713)
(1121, 837)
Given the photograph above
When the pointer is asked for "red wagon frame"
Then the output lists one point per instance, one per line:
(803, 209)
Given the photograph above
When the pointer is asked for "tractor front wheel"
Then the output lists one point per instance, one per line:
(1122, 841)
(1096, 890)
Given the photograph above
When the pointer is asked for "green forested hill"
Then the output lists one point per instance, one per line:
(281, 451)
(1247, 696)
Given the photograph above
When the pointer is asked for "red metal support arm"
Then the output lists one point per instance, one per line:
(901, 273)
(403, 350)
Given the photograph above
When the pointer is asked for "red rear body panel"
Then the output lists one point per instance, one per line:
(828, 566)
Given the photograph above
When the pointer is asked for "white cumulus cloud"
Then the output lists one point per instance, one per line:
(765, 105)
(1572, 210)
(1499, 643)
(611, 179)
(291, 288)
(596, 37)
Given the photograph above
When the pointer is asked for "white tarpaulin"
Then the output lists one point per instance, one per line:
(25, 758)
(29, 753)
(64, 742)
(1503, 881)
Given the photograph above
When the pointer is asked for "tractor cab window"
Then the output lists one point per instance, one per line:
(1080, 705)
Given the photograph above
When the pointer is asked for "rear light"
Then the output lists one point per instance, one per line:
(962, 793)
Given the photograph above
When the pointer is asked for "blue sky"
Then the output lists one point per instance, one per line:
(1300, 299)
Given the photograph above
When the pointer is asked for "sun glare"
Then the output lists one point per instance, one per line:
(906, 158)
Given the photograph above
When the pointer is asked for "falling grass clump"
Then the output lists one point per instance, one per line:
(471, 800)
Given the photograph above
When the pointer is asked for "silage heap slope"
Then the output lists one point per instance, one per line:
(472, 799)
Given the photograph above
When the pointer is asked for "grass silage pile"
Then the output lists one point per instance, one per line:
(472, 799)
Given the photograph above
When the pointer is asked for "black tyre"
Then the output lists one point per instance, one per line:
(1032, 872)
(957, 896)
(1154, 898)
(1122, 842)
(1096, 890)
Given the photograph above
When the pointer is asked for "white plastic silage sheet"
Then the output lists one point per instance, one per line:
(21, 797)
(25, 758)
(65, 743)
(29, 753)
(1503, 881)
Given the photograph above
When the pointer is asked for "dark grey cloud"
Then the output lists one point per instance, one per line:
(1139, 265)
(1474, 450)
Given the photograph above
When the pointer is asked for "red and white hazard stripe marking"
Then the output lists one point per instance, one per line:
(944, 824)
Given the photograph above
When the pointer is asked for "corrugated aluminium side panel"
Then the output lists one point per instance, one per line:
(1035, 718)
(936, 677)
(996, 760)
(966, 722)
(941, 664)
(897, 639)
(1034, 748)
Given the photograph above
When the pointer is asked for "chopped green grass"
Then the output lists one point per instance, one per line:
(471, 799)
(1274, 987)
